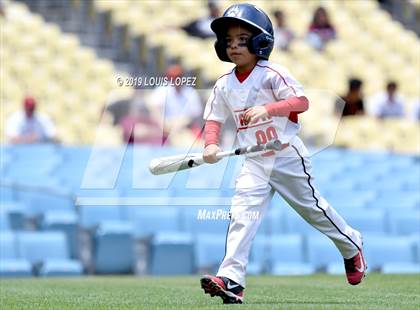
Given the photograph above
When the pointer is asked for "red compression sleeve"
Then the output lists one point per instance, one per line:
(212, 132)
(288, 106)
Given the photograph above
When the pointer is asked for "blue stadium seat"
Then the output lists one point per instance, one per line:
(114, 248)
(48, 249)
(209, 251)
(400, 268)
(334, 185)
(295, 224)
(60, 268)
(274, 221)
(15, 213)
(397, 200)
(405, 222)
(280, 254)
(7, 192)
(384, 183)
(4, 221)
(293, 269)
(336, 268)
(322, 252)
(204, 219)
(172, 254)
(365, 220)
(10, 263)
(93, 215)
(149, 220)
(66, 222)
(381, 250)
(416, 245)
(349, 199)
(50, 198)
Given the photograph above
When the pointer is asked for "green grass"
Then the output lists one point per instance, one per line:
(400, 292)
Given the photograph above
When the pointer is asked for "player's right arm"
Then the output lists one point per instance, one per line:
(211, 137)
(215, 114)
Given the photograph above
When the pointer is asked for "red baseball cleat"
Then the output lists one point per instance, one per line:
(355, 268)
(229, 291)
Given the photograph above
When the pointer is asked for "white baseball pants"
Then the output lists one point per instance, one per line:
(289, 174)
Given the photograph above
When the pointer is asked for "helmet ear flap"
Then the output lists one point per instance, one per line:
(262, 45)
(220, 47)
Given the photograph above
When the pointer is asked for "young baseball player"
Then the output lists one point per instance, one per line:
(265, 101)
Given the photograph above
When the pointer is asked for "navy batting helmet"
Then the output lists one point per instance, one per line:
(261, 42)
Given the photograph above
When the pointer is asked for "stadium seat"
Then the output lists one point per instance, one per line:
(295, 224)
(209, 251)
(404, 222)
(47, 250)
(204, 219)
(274, 220)
(66, 222)
(114, 248)
(4, 221)
(93, 215)
(401, 268)
(280, 254)
(149, 220)
(10, 263)
(322, 252)
(396, 200)
(349, 199)
(172, 254)
(381, 250)
(13, 213)
(52, 199)
(366, 220)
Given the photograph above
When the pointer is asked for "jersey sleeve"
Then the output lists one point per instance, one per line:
(216, 106)
(285, 85)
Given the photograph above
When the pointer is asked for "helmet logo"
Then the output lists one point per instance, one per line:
(233, 12)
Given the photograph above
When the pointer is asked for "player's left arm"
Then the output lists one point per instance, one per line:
(279, 108)
(288, 92)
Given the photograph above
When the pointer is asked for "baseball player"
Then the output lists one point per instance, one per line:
(265, 101)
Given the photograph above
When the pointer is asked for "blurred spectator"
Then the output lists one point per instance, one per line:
(415, 115)
(178, 106)
(138, 126)
(2, 10)
(389, 103)
(282, 34)
(321, 30)
(201, 27)
(29, 127)
(353, 100)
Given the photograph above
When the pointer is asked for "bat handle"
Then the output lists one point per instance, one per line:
(272, 145)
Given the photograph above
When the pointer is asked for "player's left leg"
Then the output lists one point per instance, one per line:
(292, 179)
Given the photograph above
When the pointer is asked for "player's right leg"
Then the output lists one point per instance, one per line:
(252, 195)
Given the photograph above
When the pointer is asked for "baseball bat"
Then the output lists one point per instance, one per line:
(163, 165)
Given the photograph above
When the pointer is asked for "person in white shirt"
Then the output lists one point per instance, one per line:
(389, 104)
(282, 34)
(28, 126)
(178, 107)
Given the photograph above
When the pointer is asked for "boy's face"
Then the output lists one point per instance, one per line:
(237, 38)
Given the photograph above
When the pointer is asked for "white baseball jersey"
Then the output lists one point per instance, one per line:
(288, 173)
(265, 84)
